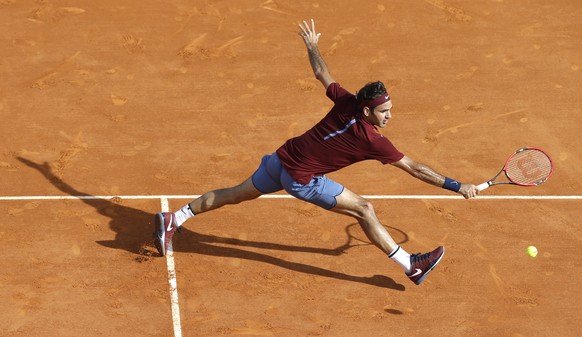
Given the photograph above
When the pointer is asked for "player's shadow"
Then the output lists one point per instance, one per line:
(133, 228)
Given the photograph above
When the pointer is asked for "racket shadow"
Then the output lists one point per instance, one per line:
(133, 228)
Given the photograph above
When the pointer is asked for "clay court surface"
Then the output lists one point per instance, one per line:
(119, 106)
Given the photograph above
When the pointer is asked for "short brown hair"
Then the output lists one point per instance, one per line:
(370, 91)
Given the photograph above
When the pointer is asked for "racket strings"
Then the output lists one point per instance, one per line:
(529, 167)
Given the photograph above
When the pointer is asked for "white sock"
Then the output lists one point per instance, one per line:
(401, 257)
(183, 214)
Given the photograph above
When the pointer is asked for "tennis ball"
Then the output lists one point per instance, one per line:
(532, 251)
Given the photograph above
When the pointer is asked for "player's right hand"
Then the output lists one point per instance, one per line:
(468, 191)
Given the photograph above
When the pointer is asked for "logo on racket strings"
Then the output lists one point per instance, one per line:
(528, 167)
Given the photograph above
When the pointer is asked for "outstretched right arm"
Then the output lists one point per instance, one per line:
(428, 175)
(311, 38)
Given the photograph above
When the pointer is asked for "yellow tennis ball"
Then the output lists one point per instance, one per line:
(532, 251)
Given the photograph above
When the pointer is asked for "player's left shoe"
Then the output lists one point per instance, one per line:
(422, 264)
(165, 227)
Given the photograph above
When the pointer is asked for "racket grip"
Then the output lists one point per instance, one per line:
(483, 186)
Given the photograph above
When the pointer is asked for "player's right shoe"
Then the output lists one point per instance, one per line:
(422, 264)
(164, 229)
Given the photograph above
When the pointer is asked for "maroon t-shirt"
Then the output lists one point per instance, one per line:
(340, 139)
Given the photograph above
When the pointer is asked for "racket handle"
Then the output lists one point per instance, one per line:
(483, 186)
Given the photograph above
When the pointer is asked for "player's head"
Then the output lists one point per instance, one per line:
(375, 103)
(372, 95)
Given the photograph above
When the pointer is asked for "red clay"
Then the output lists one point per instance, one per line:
(156, 98)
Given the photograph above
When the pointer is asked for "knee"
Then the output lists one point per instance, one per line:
(363, 209)
(221, 197)
(243, 192)
(235, 195)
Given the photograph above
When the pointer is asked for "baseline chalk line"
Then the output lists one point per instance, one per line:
(286, 196)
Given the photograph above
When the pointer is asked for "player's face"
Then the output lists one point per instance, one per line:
(381, 114)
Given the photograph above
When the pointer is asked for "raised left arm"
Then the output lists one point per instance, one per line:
(311, 39)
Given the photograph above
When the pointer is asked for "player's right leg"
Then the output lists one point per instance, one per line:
(349, 203)
(416, 266)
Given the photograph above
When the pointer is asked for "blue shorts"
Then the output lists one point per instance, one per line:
(272, 177)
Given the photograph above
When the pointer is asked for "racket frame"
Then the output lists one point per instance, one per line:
(492, 181)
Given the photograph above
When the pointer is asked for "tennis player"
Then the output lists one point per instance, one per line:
(346, 135)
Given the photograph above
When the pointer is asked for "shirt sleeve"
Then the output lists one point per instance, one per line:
(336, 92)
(385, 152)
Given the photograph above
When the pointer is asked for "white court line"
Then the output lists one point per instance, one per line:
(172, 280)
(285, 196)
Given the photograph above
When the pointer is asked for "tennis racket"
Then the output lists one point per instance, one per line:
(528, 166)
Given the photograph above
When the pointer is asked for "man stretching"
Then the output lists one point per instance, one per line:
(346, 135)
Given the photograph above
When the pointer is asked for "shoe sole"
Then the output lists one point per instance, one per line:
(159, 241)
(431, 268)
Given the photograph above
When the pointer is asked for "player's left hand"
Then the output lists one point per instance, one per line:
(310, 37)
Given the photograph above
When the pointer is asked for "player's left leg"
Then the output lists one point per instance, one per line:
(225, 196)
(166, 223)
(264, 180)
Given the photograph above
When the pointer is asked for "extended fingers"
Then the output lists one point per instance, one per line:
(303, 30)
(308, 32)
(306, 29)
